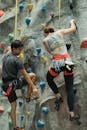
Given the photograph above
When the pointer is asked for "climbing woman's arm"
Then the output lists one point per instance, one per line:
(69, 30)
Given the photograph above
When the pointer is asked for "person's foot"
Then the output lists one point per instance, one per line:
(75, 90)
(58, 102)
(75, 117)
(28, 99)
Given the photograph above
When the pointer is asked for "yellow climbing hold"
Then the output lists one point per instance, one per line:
(43, 59)
(43, 25)
(28, 113)
(9, 9)
(19, 30)
(37, 101)
(30, 7)
(22, 38)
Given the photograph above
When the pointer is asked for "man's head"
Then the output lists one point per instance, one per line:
(16, 47)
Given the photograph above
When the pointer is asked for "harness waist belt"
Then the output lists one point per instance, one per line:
(60, 56)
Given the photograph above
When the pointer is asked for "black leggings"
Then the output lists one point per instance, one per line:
(68, 85)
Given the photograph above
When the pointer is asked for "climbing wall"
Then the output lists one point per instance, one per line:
(25, 20)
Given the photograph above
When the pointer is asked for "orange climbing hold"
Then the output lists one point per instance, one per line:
(1, 13)
(2, 109)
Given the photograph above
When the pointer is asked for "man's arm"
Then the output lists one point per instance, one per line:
(69, 30)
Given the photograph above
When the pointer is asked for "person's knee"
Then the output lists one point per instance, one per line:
(33, 77)
(13, 106)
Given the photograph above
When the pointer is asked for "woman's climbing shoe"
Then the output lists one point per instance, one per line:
(76, 117)
(75, 90)
(58, 103)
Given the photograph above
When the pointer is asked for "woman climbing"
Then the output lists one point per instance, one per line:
(61, 61)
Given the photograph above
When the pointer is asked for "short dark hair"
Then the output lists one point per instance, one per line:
(16, 44)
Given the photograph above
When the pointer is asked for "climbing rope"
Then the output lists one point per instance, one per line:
(59, 7)
(16, 17)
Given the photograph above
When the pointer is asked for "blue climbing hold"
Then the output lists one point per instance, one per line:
(38, 50)
(23, 90)
(22, 117)
(40, 123)
(21, 7)
(43, 8)
(1, 91)
(20, 103)
(42, 84)
(29, 70)
(28, 20)
(45, 110)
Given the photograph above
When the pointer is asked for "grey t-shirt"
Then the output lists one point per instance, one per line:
(11, 65)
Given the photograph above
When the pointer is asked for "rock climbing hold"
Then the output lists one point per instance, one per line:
(11, 36)
(38, 50)
(52, 14)
(37, 101)
(23, 90)
(9, 9)
(30, 7)
(10, 123)
(84, 43)
(40, 123)
(43, 59)
(2, 109)
(28, 20)
(42, 84)
(28, 113)
(20, 103)
(19, 30)
(71, 4)
(22, 38)
(22, 117)
(43, 25)
(45, 110)
(21, 7)
(1, 91)
(29, 70)
(1, 13)
(43, 8)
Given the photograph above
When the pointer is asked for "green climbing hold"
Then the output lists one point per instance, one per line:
(11, 36)
(10, 123)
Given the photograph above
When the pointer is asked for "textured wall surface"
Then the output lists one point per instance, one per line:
(32, 36)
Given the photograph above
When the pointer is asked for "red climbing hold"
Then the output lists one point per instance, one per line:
(1, 13)
(84, 43)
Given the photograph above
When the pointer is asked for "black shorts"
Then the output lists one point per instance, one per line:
(16, 84)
